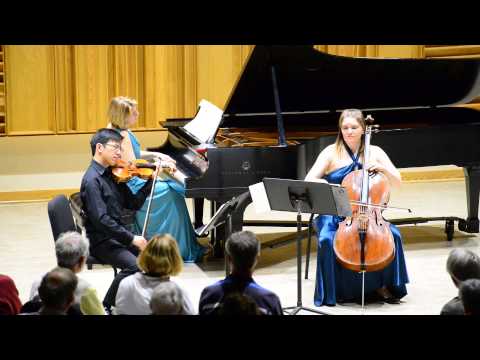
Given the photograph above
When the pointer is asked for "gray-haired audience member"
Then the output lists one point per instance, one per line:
(71, 249)
(56, 291)
(242, 250)
(167, 299)
(462, 264)
(469, 292)
(236, 304)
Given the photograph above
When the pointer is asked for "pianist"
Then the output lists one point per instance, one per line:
(333, 282)
(168, 212)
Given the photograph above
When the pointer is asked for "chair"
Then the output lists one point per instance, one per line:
(64, 218)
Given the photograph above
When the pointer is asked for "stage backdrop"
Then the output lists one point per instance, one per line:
(53, 97)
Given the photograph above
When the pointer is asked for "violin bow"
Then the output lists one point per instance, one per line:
(379, 206)
(150, 200)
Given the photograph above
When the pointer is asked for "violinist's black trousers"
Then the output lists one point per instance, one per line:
(118, 255)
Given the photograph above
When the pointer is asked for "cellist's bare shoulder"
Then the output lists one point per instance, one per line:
(379, 154)
(322, 164)
(328, 153)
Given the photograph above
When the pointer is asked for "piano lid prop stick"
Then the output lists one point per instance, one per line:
(150, 200)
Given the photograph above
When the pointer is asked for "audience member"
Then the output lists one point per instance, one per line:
(56, 292)
(469, 292)
(462, 264)
(242, 250)
(237, 304)
(158, 261)
(10, 303)
(71, 249)
(168, 299)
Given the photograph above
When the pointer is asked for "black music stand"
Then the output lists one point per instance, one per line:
(307, 197)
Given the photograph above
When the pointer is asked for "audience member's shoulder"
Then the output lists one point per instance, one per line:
(130, 280)
(272, 297)
(35, 286)
(262, 289)
(453, 307)
(211, 289)
(5, 279)
(83, 284)
(215, 285)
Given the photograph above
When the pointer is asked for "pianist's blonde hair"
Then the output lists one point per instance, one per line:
(120, 108)
(161, 256)
(339, 143)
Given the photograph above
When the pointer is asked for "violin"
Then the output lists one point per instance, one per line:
(364, 242)
(123, 171)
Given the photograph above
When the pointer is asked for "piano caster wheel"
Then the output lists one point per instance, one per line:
(469, 225)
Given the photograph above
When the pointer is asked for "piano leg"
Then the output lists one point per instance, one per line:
(198, 212)
(472, 182)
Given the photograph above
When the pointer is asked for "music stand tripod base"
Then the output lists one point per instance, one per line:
(296, 309)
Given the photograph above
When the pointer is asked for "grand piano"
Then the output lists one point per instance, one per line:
(284, 110)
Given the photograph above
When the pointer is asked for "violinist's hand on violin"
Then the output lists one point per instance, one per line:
(165, 158)
(168, 166)
(139, 242)
(375, 167)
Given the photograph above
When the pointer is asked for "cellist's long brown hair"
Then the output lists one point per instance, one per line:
(339, 142)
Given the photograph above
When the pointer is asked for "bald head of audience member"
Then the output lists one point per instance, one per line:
(57, 291)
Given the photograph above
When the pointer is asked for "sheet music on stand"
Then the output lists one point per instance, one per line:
(204, 125)
(262, 203)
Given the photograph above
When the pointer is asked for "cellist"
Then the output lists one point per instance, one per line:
(335, 283)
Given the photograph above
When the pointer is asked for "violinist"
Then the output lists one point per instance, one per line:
(335, 283)
(104, 201)
(168, 211)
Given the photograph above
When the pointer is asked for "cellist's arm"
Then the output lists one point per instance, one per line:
(384, 165)
(321, 165)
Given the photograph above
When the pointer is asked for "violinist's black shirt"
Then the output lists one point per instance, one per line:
(104, 202)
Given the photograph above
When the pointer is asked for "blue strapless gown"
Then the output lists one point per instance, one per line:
(334, 282)
(168, 213)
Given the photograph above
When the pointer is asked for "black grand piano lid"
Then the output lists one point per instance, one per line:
(312, 81)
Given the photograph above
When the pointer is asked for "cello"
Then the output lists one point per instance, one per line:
(364, 241)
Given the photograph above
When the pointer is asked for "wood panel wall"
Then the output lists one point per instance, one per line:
(2, 93)
(64, 89)
(30, 90)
